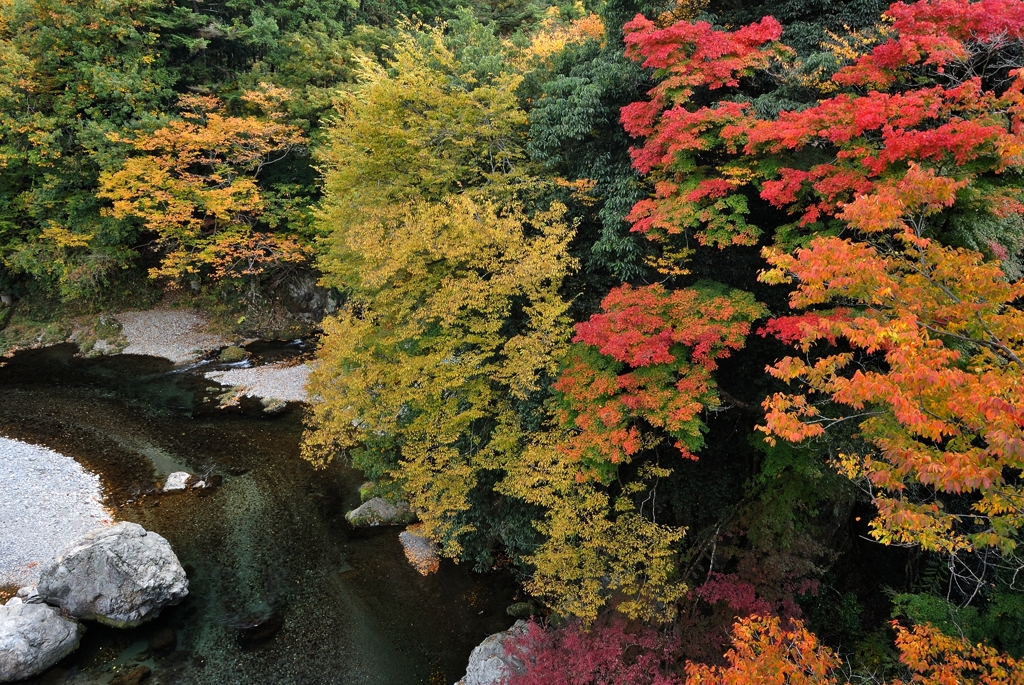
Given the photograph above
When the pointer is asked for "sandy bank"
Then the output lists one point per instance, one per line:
(280, 381)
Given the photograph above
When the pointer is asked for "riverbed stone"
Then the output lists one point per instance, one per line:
(34, 637)
(120, 576)
(379, 512)
(488, 663)
(132, 676)
(422, 552)
(29, 595)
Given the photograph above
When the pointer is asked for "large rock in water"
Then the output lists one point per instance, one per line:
(379, 512)
(119, 576)
(422, 552)
(34, 637)
(488, 664)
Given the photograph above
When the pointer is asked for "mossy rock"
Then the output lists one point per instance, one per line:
(522, 610)
(273, 406)
(368, 491)
(380, 512)
(232, 354)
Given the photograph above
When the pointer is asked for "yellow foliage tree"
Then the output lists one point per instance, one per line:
(598, 547)
(454, 317)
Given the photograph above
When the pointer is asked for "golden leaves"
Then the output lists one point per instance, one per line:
(194, 185)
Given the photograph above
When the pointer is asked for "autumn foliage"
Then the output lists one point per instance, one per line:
(194, 183)
(449, 378)
(766, 650)
(655, 351)
(943, 410)
(892, 154)
(611, 653)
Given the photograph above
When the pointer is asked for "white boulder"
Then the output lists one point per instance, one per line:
(177, 481)
(120, 576)
(33, 637)
(488, 664)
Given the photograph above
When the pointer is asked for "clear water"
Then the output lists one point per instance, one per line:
(269, 547)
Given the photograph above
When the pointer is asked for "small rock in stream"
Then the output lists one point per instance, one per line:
(177, 481)
(259, 629)
(422, 552)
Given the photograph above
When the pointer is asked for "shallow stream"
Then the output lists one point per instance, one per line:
(269, 547)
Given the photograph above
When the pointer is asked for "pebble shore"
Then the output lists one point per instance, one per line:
(180, 335)
(47, 500)
(176, 334)
(279, 381)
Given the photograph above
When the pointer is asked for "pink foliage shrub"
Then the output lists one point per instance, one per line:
(610, 653)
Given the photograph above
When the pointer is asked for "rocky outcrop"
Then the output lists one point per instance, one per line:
(33, 637)
(379, 512)
(488, 663)
(119, 576)
(422, 552)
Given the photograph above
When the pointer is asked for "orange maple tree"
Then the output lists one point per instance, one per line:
(935, 335)
(194, 185)
(767, 650)
(953, 104)
(647, 359)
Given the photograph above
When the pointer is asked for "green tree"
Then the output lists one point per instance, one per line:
(73, 74)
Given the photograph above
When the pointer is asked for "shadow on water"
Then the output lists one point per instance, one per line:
(282, 589)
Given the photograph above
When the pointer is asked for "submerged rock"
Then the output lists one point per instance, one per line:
(133, 676)
(256, 629)
(488, 664)
(163, 641)
(422, 552)
(119, 576)
(33, 637)
(379, 512)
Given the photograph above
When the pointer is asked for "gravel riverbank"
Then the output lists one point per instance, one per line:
(46, 501)
(280, 381)
(176, 334)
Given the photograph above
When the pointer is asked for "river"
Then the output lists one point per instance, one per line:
(269, 545)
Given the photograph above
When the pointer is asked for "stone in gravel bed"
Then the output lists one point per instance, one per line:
(121, 576)
(47, 500)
